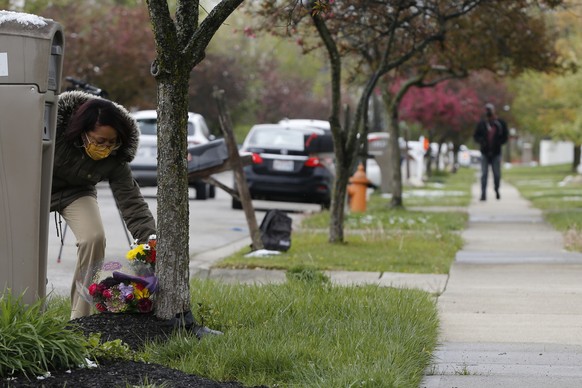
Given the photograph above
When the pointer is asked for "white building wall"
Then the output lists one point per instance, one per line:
(556, 152)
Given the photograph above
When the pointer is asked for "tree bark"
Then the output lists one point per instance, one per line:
(180, 45)
(173, 258)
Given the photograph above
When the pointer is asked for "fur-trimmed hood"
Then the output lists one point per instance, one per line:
(70, 101)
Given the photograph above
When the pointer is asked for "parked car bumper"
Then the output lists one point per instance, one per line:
(314, 189)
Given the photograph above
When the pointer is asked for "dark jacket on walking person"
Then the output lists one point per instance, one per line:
(490, 143)
(491, 133)
(95, 141)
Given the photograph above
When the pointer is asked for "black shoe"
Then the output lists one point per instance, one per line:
(483, 198)
(497, 194)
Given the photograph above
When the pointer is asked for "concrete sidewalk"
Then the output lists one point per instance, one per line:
(201, 266)
(511, 313)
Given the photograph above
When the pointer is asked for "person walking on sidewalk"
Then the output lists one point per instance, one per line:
(491, 133)
(95, 141)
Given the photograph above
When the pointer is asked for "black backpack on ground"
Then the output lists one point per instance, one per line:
(276, 231)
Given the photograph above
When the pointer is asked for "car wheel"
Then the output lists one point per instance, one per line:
(211, 191)
(201, 190)
(236, 204)
(326, 205)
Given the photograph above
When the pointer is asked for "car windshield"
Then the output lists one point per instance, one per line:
(149, 127)
(276, 138)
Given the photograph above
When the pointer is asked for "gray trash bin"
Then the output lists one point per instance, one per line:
(31, 57)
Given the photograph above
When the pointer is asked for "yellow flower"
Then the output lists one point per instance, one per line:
(140, 294)
(132, 254)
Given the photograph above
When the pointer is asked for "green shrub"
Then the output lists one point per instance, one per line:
(34, 340)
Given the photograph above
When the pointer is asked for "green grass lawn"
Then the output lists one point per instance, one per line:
(396, 251)
(308, 334)
(557, 191)
(381, 239)
(442, 189)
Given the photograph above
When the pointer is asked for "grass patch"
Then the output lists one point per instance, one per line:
(381, 239)
(379, 217)
(308, 333)
(442, 189)
(557, 192)
(412, 252)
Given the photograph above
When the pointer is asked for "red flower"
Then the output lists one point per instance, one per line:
(152, 256)
(96, 289)
(144, 305)
(101, 307)
(139, 286)
(107, 294)
(129, 297)
(92, 289)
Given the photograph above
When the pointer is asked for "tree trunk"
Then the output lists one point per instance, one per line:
(180, 45)
(173, 250)
(338, 203)
(576, 161)
(438, 157)
(344, 153)
(395, 156)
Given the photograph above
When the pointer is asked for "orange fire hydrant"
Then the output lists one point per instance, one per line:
(357, 190)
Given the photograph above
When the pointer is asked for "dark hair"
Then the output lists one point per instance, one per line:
(97, 112)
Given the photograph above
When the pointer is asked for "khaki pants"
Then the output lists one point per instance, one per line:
(84, 219)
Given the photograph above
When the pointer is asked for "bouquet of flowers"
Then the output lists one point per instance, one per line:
(117, 288)
(143, 253)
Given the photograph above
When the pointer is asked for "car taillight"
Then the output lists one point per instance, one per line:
(313, 161)
(256, 158)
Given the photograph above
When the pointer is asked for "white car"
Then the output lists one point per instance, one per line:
(144, 166)
(467, 157)
(302, 123)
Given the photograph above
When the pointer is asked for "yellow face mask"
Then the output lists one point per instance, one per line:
(96, 151)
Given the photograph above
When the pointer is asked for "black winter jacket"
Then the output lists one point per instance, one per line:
(480, 136)
(75, 174)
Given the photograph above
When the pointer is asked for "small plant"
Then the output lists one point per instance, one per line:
(207, 314)
(308, 275)
(464, 371)
(34, 340)
(110, 350)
